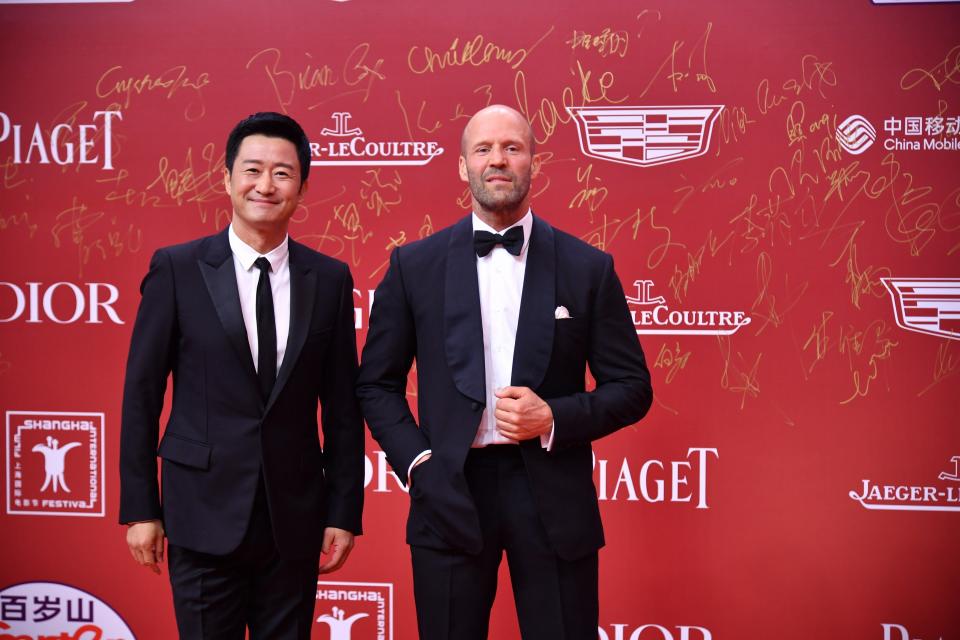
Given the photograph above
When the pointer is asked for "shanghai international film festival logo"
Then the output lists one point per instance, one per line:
(52, 610)
(652, 316)
(901, 496)
(354, 611)
(645, 136)
(343, 144)
(55, 463)
(926, 305)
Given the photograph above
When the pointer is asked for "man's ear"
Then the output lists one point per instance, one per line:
(226, 181)
(303, 190)
(462, 162)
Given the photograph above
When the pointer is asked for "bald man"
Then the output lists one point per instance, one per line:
(502, 313)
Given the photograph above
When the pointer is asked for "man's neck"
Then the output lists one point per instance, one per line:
(261, 241)
(500, 220)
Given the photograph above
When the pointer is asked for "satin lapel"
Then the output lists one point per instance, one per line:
(303, 289)
(462, 326)
(216, 266)
(531, 352)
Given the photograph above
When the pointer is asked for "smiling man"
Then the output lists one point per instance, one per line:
(503, 314)
(256, 330)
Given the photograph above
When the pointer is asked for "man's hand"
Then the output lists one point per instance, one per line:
(521, 414)
(145, 540)
(337, 543)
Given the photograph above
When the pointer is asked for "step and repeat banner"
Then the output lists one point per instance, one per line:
(778, 182)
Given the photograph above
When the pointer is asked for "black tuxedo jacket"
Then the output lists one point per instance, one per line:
(428, 308)
(221, 433)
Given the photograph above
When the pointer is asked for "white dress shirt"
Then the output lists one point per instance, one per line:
(500, 278)
(248, 276)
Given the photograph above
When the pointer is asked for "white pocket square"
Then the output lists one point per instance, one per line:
(561, 313)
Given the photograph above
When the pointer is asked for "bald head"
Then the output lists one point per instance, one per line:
(492, 115)
(497, 161)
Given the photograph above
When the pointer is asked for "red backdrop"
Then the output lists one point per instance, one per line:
(797, 476)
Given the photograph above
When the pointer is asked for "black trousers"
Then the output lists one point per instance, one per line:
(555, 599)
(218, 597)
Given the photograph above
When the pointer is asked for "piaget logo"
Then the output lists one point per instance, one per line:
(63, 143)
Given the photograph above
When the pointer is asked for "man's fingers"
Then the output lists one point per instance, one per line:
(338, 553)
(145, 541)
(337, 543)
(328, 537)
(511, 392)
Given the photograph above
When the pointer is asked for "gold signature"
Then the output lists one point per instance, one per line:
(742, 380)
(117, 82)
(18, 221)
(945, 364)
(765, 305)
(944, 72)
(607, 42)
(475, 52)
(359, 72)
(865, 350)
(77, 219)
(673, 360)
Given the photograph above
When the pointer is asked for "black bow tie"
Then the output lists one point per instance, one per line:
(484, 241)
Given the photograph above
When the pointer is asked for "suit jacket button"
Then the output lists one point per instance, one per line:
(476, 406)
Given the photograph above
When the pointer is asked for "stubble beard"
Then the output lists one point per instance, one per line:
(500, 202)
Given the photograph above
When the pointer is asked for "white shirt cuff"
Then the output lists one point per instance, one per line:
(414, 463)
(546, 439)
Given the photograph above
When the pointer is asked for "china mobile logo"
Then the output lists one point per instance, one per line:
(345, 145)
(922, 133)
(652, 316)
(356, 610)
(645, 136)
(39, 610)
(856, 134)
(909, 497)
(64, 143)
(926, 305)
(54, 463)
(653, 632)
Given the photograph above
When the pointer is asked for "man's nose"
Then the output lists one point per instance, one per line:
(497, 158)
(265, 183)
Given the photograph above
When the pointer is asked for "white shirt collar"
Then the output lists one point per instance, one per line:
(247, 255)
(526, 222)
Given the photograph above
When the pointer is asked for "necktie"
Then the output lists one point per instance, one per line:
(512, 241)
(266, 331)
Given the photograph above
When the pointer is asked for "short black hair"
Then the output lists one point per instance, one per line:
(272, 125)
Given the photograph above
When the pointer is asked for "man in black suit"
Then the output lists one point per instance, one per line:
(256, 329)
(502, 313)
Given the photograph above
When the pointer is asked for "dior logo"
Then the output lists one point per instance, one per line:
(60, 302)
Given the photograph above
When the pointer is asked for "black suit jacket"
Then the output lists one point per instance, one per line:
(428, 308)
(221, 433)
